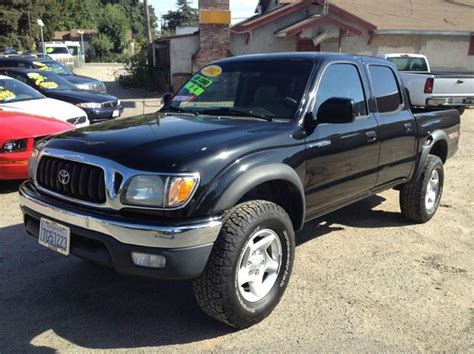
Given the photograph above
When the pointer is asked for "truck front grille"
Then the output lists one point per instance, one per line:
(72, 179)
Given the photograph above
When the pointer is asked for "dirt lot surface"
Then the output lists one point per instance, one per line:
(364, 280)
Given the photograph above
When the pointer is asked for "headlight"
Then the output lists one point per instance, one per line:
(118, 102)
(160, 191)
(89, 105)
(84, 87)
(14, 145)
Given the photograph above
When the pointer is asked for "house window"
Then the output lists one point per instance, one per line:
(471, 46)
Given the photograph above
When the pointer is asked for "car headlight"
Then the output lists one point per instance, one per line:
(14, 145)
(89, 105)
(160, 191)
(84, 87)
(118, 102)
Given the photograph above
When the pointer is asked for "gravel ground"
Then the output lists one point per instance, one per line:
(364, 280)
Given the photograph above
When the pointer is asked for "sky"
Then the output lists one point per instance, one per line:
(241, 9)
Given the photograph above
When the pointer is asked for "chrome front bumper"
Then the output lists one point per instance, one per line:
(195, 234)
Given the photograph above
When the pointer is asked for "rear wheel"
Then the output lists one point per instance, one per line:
(250, 265)
(420, 199)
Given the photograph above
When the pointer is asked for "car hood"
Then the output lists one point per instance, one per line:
(80, 96)
(78, 79)
(46, 107)
(173, 143)
(19, 126)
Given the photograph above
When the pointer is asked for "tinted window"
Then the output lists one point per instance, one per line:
(342, 81)
(386, 89)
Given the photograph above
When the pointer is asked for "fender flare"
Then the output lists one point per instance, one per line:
(256, 176)
(436, 136)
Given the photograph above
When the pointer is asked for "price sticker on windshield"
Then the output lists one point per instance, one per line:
(202, 81)
(211, 71)
(40, 66)
(194, 89)
(6, 95)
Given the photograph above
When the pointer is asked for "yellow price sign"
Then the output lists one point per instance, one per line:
(7, 95)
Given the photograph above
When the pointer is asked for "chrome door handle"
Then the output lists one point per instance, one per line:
(408, 127)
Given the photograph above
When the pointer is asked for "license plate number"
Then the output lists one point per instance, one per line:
(54, 236)
(115, 113)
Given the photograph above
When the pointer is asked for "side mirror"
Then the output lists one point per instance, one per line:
(336, 110)
(167, 98)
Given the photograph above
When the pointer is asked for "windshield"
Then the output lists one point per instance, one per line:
(15, 91)
(49, 81)
(264, 89)
(409, 64)
(52, 66)
(57, 50)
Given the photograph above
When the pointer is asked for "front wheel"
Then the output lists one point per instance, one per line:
(250, 265)
(420, 199)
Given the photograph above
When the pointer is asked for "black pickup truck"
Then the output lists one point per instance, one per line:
(214, 185)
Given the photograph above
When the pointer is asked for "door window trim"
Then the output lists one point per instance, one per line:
(321, 76)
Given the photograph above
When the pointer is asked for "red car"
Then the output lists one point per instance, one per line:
(18, 133)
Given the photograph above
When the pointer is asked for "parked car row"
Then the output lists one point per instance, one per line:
(40, 97)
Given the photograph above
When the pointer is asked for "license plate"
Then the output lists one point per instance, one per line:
(115, 113)
(54, 236)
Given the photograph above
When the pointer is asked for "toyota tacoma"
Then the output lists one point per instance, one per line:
(214, 186)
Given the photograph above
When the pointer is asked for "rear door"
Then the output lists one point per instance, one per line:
(341, 158)
(397, 126)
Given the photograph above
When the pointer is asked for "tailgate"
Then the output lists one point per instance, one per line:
(453, 86)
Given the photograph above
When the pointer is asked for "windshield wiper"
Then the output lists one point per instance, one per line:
(178, 110)
(235, 112)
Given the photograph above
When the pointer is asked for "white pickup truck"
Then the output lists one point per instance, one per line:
(433, 90)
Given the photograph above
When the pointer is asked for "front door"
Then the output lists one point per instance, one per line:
(342, 158)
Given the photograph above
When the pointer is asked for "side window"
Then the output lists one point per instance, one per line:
(386, 90)
(21, 65)
(342, 81)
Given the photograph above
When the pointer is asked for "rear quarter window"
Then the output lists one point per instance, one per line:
(386, 89)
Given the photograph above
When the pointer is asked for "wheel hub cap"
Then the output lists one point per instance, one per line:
(432, 190)
(259, 265)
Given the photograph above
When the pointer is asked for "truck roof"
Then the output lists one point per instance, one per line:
(314, 56)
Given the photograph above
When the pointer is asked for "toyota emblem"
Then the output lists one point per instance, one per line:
(63, 177)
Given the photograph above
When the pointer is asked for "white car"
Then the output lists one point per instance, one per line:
(60, 52)
(15, 95)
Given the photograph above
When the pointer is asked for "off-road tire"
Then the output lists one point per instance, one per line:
(413, 194)
(216, 290)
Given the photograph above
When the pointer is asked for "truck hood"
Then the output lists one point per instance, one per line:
(173, 143)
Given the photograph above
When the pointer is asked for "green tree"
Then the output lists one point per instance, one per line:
(114, 24)
(185, 15)
(102, 45)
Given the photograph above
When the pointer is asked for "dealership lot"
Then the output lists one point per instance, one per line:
(364, 280)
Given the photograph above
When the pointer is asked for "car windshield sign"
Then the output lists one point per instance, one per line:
(15, 91)
(49, 81)
(52, 66)
(260, 89)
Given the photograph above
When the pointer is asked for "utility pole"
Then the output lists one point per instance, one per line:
(147, 23)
